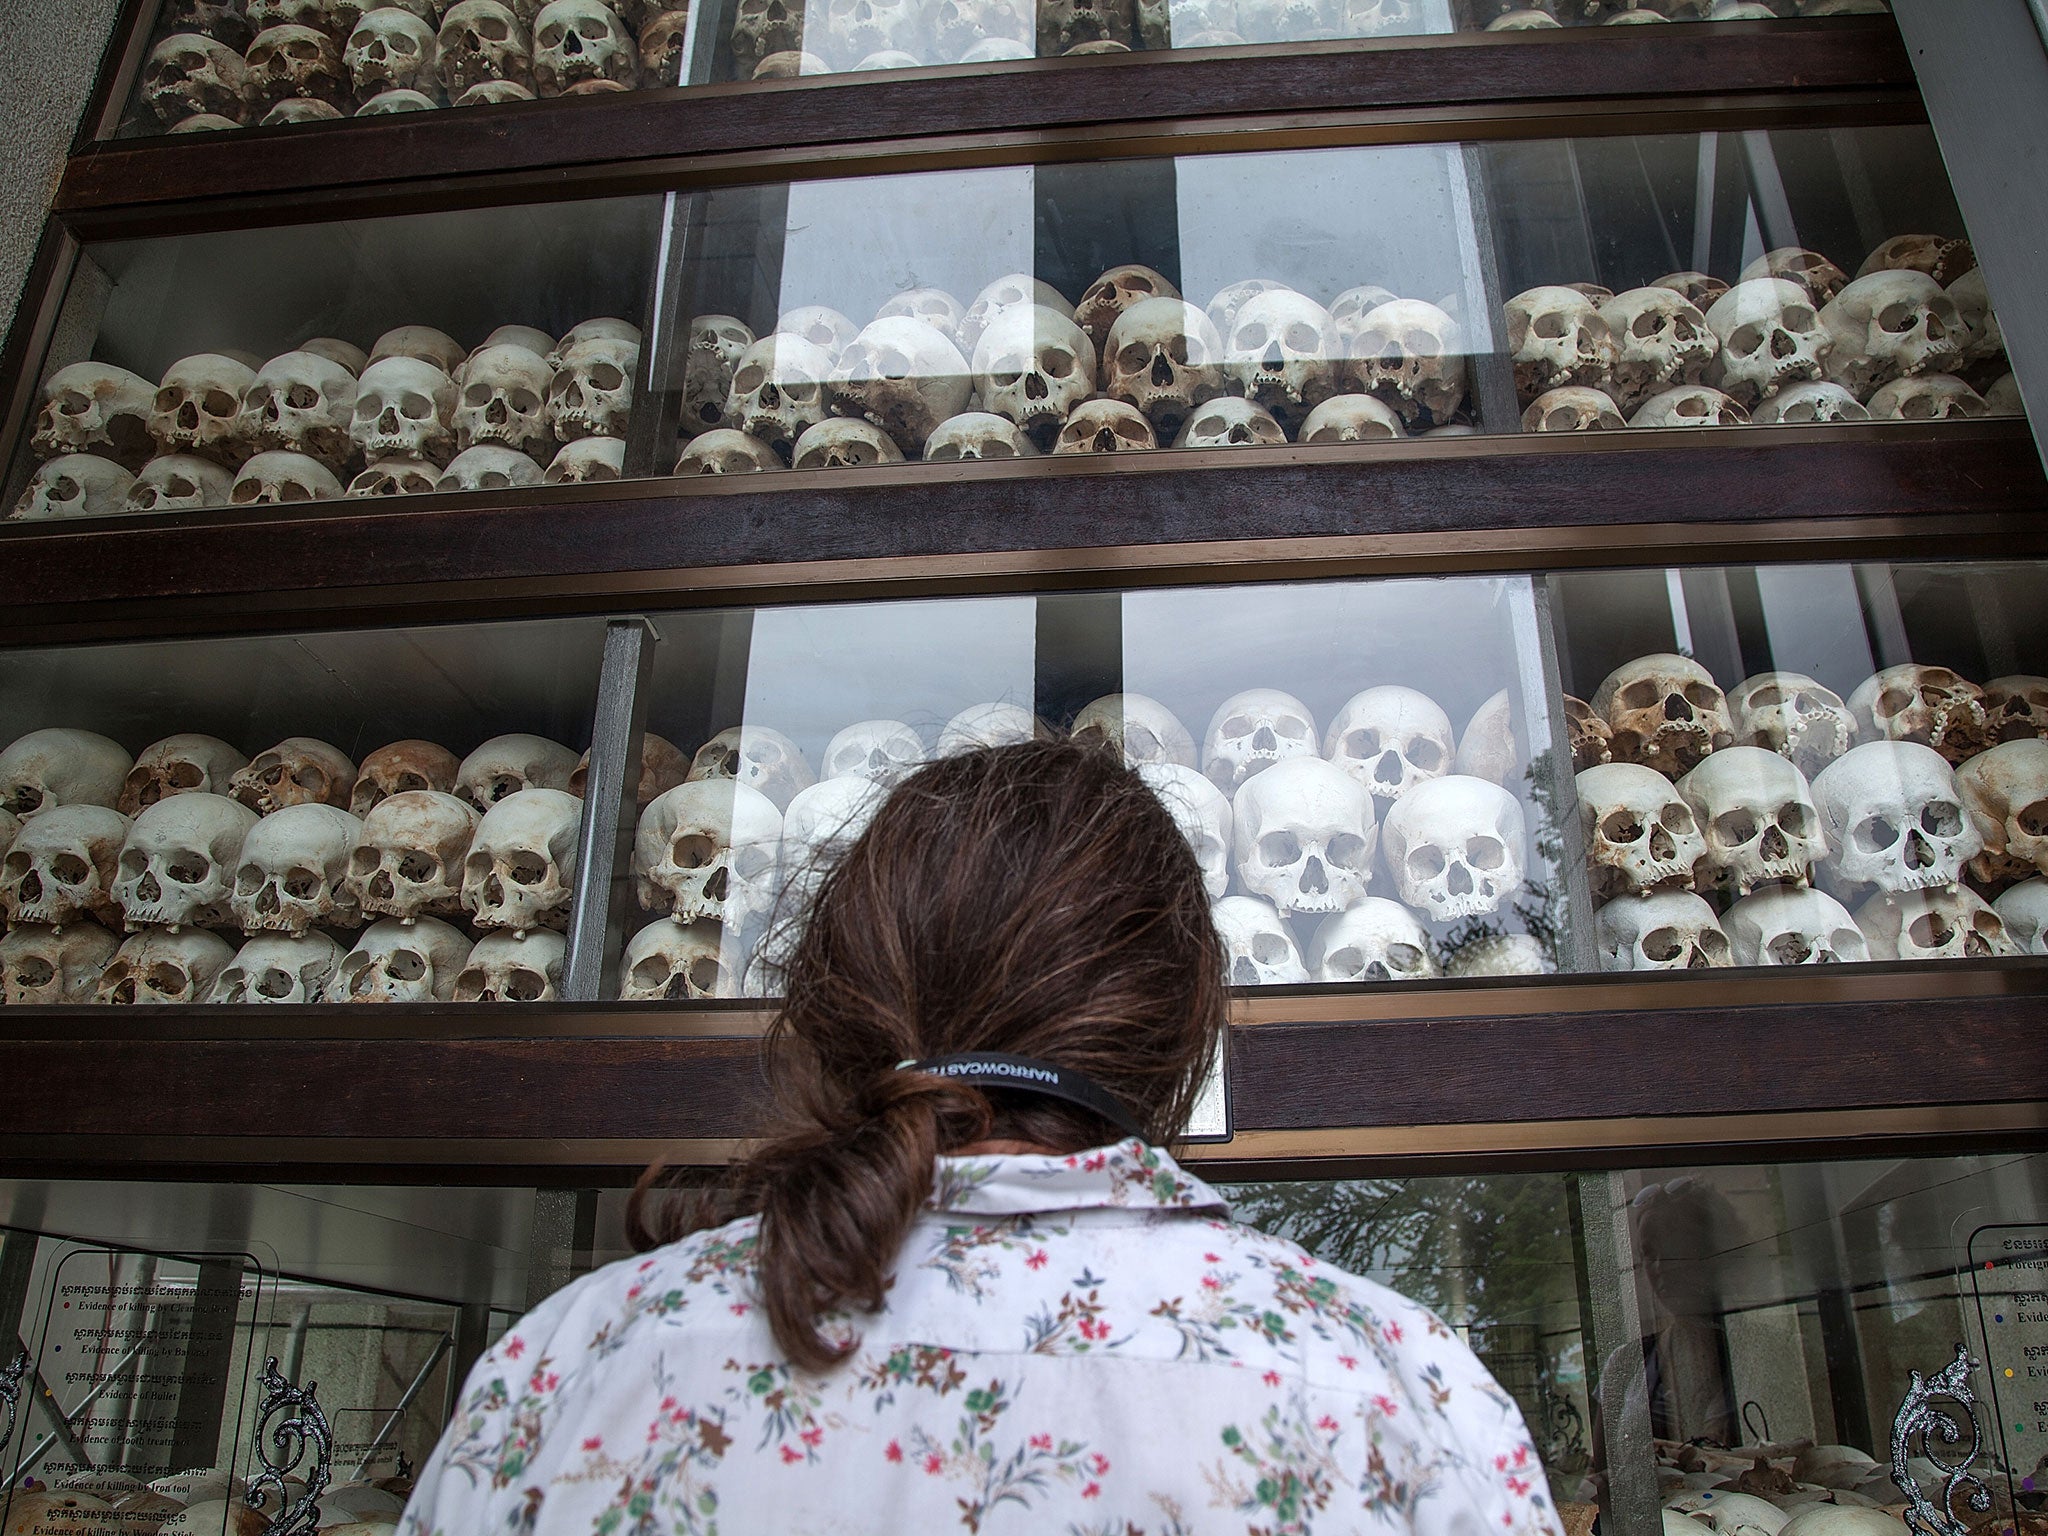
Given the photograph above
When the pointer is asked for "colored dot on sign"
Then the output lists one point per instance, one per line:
(2027, 1484)
(1998, 1317)
(1987, 1264)
(2008, 1370)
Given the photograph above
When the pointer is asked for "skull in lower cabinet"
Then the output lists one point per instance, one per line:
(1303, 832)
(293, 872)
(709, 849)
(402, 962)
(1664, 712)
(300, 770)
(1163, 357)
(177, 867)
(1667, 931)
(671, 961)
(902, 376)
(156, 966)
(1374, 940)
(1791, 925)
(74, 485)
(1456, 847)
(592, 392)
(513, 968)
(278, 968)
(481, 41)
(61, 866)
(521, 868)
(1890, 325)
(98, 409)
(1933, 924)
(1894, 818)
(41, 965)
(405, 409)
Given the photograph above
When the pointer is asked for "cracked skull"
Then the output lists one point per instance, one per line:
(179, 765)
(157, 967)
(42, 967)
(1788, 925)
(395, 962)
(278, 968)
(297, 771)
(504, 765)
(1670, 931)
(61, 866)
(94, 408)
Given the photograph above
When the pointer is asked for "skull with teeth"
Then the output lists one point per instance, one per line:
(1033, 365)
(1670, 931)
(74, 485)
(279, 968)
(672, 961)
(1666, 712)
(592, 392)
(299, 770)
(777, 390)
(1375, 940)
(158, 967)
(1930, 705)
(1253, 730)
(184, 764)
(762, 29)
(1589, 737)
(977, 435)
(1759, 818)
(1790, 925)
(1390, 739)
(760, 757)
(2005, 790)
(1951, 924)
(1661, 341)
(1068, 24)
(881, 750)
(401, 767)
(1202, 814)
(293, 871)
(1303, 832)
(1411, 356)
(1105, 426)
(661, 47)
(513, 968)
(482, 41)
(1938, 256)
(302, 403)
(179, 482)
(581, 40)
(504, 400)
(294, 63)
(392, 49)
(1821, 278)
(1142, 729)
(1258, 950)
(521, 867)
(404, 409)
(1278, 355)
(94, 408)
(1640, 835)
(1891, 325)
(1557, 340)
(60, 867)
(709, 849)
(1771, 336)
(1894, 818)
(716, 345)
(1164, 357)
(61, 766)
(504, 765)
(42, 967)
(189, 73)
(1456, 846)
(408, 859)
(1794, 716)
(2016, 708)
(395, 962)
(1116, 291)
(177, 867)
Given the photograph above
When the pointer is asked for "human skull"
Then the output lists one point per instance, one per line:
(712, 355)
(1983, 339)
(157, 967)
(400, 767)
(1456, 846)
(1575, 408)
(1231, 423)
(1792, 715)
(1557, 340)
(1523, 21)
(1487, 747)
(778, 390)
(505, 765)
(299, 770)
(395, 962)
(822, 822)
(98, 409)
(902, 376)
(859, 29)
(709, 849)
(1927, 397)
(186, 763)
(1949, 924)
(2005, 790)
(1503, 954)
(344, 354)
(1894, 817)
(1786, 925)
(1375, 940)
(672, 961)
(293, 870)
(760, 757)
(1758, 816)
(821, 325)
(787, 65)
(513, 968)
(2016, 708)
(1231, 297)
(1690, 405)
(994, 724)
(1640, 835)
(1202, 814)
(407, 861)
(881, 750)
(61, 766)
(1589, 737)
(226, 20)
(178, 482)
(1821, 278)
(579, 40)
(40, 966)
(1670, 931)
(1661, 341)
(1701, 289)
(392, 49)
(1812, 402)
(404, 409)
(177, 866)
(587, 461)
(1116, 291)
(1064, 25)
(977, 435)
(489, 467)
(1105, 426)
(293, 63)
(317, 14)
(189, 73)
(1253, 730)
(278, 968)
(1352, 419)
(1033, 365)
(1411, 356)
(1666, 712)
(1891, 325)
(842, 444)
(1303, 834)
(592, 392)
(1164, 357)
(1258, 950)
(504, 400)
(723, 451)
(762, 29)
(60, 867)
(301, 403)
(74, 485)
(1390, 739)
(1278, 354)
(396, 477)
(1143, 729)
(1007, 292)
(1938, 256)
(494, 93)
(482, 41)
(1930, 705)
(283, 479)
(1771, 337)
(2024, 911)
(521, 867)
(934, 306)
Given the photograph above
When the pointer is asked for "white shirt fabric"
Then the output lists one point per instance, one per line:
(1083, 1345)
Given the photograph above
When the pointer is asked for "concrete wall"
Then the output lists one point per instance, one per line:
(49, 56)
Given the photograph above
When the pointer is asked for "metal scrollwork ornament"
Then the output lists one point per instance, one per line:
(10, 1394)
(1919, 1416)
(282, 1445)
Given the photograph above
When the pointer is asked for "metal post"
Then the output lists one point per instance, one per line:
(441, 1347)
(1619, 1401)
(1494, 402)
(1538, 720)
(604, 843)
(203, 1395)
(653, 430)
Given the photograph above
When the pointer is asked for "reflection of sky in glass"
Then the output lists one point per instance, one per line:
(1814, 617)
(815, 670)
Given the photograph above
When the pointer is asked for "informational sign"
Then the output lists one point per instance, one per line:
(2009, 1273)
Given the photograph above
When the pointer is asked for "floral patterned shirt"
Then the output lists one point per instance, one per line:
(1073, 1346)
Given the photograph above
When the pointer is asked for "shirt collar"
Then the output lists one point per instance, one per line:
(1126, 1175)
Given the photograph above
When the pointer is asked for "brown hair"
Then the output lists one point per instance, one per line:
(1036, 899)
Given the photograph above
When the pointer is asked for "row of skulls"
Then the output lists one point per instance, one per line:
(1755, 799)
(1549, 14)
(223, 64)
(1020, 371)
(418, 412)
(1795, 340)
(1284, 819)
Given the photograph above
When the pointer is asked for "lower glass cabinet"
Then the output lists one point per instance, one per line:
(1735, 1343)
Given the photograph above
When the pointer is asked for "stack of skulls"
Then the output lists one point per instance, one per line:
(416, 413)
(1022, 371)
(1284, 820)
(1793, 341)
(229, 63)
(1780, 824)
(1547, 15)
(416, 877)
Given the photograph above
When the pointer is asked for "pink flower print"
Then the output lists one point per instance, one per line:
(893, 1452)
(1392, 1332)
(1349, 1362)
(1327, 1424)
(933, 1465)
(1037, 1259)
(1210, 1258)
(1099, 1464)
(812, 1436)
(1521, 1455)
(594, 1443)
(645, 1265)
(1500, 1463)
(1096, 1163)
(668, 1405)
(1092, 1328)
(739, 1309)
(1091, 1491)
(790, 1453)
(1041, 1442)
(514, 1348)
(1518, 1486)
(1386, 1405)
(1211, 1283)
(1272, 1378)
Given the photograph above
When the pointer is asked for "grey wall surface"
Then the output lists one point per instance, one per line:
(49, 55)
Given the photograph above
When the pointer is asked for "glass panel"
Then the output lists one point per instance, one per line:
(1808, 765)
(212, 66)
(373, 816)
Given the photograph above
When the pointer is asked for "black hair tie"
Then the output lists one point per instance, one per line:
(1027, 1074)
